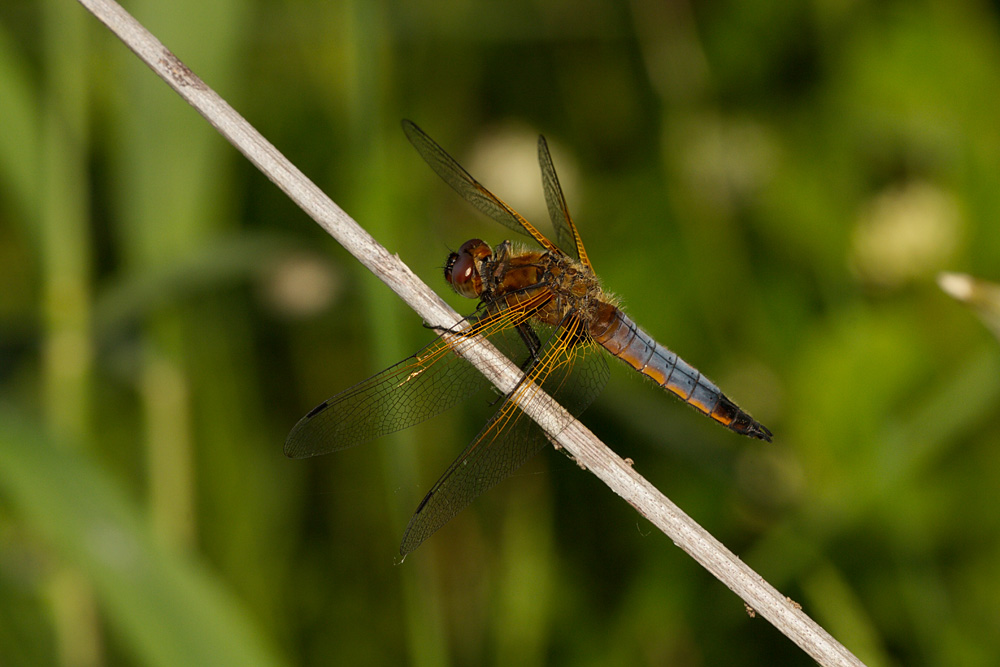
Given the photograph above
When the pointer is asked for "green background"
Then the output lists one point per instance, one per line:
(771, 188)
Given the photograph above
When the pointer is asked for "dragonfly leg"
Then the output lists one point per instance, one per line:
(530, 339)
(437, 328)
(531, 342)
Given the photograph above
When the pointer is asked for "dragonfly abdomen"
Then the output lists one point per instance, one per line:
(623, 338)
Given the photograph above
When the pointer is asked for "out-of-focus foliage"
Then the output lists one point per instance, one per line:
(770, 187)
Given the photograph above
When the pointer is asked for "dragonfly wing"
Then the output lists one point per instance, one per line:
(471, 190)
(570, 371)
(402, 395)
(567, 235)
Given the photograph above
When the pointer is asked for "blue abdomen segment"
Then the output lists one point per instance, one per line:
(624, 339)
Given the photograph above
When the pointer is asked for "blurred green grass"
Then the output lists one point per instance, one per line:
(770, 187)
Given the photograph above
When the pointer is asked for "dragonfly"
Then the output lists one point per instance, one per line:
(546, 311)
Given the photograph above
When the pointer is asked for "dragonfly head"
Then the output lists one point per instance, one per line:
(462, 270)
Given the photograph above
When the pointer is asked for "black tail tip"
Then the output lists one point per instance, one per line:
(750, 427)
(758, 430)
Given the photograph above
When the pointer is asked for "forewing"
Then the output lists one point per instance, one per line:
(471, 190)
(567, 235)
(572, 371)
(402, 395)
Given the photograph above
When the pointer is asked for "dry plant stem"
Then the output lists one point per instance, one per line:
(578, 441)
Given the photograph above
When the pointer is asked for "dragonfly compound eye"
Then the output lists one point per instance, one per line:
(461, 272)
